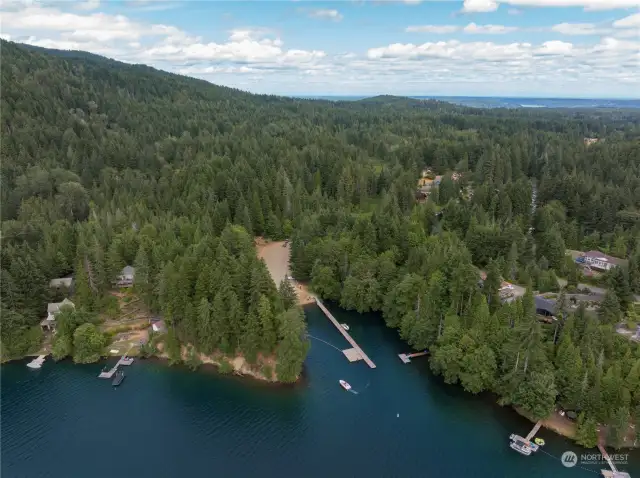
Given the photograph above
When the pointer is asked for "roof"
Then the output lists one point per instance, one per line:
(603, 256)
(54, 307)
(128, 271)
(545, 304)
(159, 326)
(63, 281)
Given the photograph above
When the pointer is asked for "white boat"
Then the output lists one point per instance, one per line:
(521, 445)
(345, 326)
(345, 385)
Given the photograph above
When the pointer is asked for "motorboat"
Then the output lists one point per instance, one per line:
(118, 378)
(520, 445)
(345, 326)
(539, 441)
(345, 385)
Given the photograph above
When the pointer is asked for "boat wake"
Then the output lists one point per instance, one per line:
(353, 391)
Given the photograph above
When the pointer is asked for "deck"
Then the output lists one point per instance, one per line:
(353, 353)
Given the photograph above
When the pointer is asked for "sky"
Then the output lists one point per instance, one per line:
(533, 48)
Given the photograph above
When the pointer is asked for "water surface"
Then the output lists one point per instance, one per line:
(63, 422)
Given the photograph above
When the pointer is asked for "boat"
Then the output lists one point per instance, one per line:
(118, 378)
(520, 445)
(345, 326)
(345, 385)
(538, 441)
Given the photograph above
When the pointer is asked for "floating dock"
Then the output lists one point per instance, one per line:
(406, 358)
(354, 354)
(124, 360)
(37, 362)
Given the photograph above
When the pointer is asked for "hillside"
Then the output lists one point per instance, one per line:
(107, 164)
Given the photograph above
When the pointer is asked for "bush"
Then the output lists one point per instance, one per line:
(267, 371)
(225, 366)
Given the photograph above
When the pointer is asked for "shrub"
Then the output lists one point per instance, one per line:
(225, 366)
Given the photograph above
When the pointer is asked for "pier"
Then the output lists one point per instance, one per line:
(614, 473)
(406, 358)
(352, 354)
(124, 360)
(37, 362)
(533, 431)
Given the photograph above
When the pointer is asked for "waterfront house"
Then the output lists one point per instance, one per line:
(600, 260)
(126, 276)
(52, 310)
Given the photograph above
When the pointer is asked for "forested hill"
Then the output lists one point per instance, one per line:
(106, 164)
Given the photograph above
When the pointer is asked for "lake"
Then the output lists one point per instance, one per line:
(62, 421)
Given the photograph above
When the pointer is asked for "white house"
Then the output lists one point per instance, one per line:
(600, 260)
(126, 276)
(53, 309)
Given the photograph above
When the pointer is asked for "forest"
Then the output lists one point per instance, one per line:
(107, 164)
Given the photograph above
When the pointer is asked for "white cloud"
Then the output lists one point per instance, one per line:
(471, 28)
(514, 11)
(492, 5)
(440, 29)
(632, 21)
(488, 29)
(260, 60)
(480, 6)
(579, 29)
(326, 14)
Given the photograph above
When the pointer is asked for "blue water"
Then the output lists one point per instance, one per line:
(510, 102)
(62, 421)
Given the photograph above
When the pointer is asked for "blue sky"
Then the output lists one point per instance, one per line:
(561, 48)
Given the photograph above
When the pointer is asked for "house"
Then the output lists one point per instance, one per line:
(544, 306)
(159, 327)
(52, 310)
(62, 282)
(601, 261)
(126, 276)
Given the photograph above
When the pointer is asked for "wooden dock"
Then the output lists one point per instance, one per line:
(533, 431)
(614, 473)
(406, 358)
(353, 353)
(37, 362)
(124, 360)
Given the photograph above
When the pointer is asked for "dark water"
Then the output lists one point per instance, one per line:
(62, 421)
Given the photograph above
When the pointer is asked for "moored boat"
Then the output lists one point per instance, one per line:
(520, 445)
(118, 378)
(345, 326)
(345, 385)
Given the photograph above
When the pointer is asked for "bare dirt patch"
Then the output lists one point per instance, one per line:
(276, 256)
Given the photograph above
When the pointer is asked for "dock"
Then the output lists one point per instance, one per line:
(533, 431)
(614, 473)
(37, 362)
(353, 354)
(406, 358)
(124, 360)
